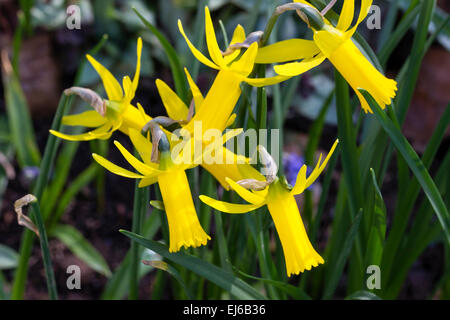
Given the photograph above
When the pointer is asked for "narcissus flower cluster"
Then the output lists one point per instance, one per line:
(156, 139)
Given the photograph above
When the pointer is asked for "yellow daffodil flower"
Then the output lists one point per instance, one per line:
(334, 43)
(114, 113)
(176, 109)
(233, 70)
(299, 254)
(184, 226)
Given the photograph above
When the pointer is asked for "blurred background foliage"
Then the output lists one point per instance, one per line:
(84, 207)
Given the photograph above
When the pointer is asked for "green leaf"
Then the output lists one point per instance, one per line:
(164, 266)
(294, 292)
(418, 50)
(157, 204)
(140, 204)
(352, 173)
(63, 163)
(398, 34)
(8, 258)
(20, 124)
(51, 145)
(439, 15)
(314, 134)
(423, 231)
(336, 271)
(407, 199)
(175, 65)
(414, 163)
(225, 280)
(43, 240)
(118, 284)
(81, 248)
(377, 233)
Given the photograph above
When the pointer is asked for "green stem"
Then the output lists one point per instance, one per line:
(28, 236)
(49, 274)
(418, 51)
(350, 165)
(139, 207)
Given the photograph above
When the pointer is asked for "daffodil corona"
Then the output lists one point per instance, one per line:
(299, 254)
(336, 45)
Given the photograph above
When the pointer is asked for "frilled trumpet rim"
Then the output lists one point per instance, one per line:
(299, 254)
(184, 227)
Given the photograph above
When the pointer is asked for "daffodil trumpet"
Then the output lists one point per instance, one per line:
(111, 114)
(298, 251)
(336, 45)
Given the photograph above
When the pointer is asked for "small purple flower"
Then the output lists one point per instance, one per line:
(31, 172)
(292, 162)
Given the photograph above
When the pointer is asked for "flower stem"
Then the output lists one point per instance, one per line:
(139, 207)
(49, 274)
(46, 164)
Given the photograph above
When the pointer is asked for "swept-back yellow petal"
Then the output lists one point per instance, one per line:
(196, 93)
(228, 207)
(90, 119)
(245, 64)
(320, 166)
(304, 2)
(99, 133)
(111, 85)
(296, 68)
(142, 145)
(115, 168)
(262, 82)
(175, 107)
(231, 120)
(365, 7)
(244, 193)
(300, 182)
(104, 129)
(197, 54)
(138, 165)
(238, 37)
(138, 65)
(127, 88)
(73, 137)
(287, 50)
(346, 16)
(211, 41)
(147, 181)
